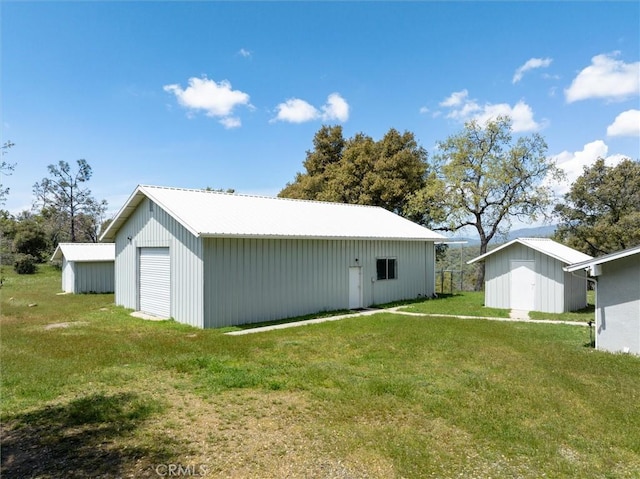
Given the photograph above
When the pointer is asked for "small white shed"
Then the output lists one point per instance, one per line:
(86, 267)
(527, 274)
(617, 299)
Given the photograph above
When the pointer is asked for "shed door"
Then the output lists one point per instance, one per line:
(355, 288)
(68, 276)
(155, 282)
(523, 285)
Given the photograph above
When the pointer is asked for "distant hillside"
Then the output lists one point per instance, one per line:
(537, 232)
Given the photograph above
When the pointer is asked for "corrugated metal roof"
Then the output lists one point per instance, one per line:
(603, 259)
(544, 245)
(85, 252)
(210, 213)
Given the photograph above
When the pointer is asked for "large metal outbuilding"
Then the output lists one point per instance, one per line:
(86, 267)
(617, 299)
(527, 274)
(212, 259)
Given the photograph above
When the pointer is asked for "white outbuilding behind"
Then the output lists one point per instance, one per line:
(527, 274)
(86, 267)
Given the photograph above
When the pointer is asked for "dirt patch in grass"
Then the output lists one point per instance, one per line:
(64, 325)
(245, 433)
(158, 425)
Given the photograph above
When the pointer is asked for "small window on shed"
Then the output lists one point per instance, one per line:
(386, 268)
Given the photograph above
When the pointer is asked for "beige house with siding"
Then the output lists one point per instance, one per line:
(527, 274)
(212, 259)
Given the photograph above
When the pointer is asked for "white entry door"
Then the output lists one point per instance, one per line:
(155, 281)
(355, 287)
(523, 285)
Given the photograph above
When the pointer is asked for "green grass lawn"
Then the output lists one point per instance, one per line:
(88, 391)
(471, 303)
(468, 303)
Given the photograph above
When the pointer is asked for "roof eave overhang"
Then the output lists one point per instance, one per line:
(602, 259)
(524, 243)
(122, 215)
(130, 206)
(57, 254)
(312, 237)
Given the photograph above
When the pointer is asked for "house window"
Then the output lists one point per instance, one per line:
(387, 268)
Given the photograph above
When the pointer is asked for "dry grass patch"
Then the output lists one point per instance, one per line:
(139, 430)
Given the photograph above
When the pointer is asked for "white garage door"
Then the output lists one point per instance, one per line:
(155, 281)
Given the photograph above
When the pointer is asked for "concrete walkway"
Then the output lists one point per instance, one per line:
(518, 316)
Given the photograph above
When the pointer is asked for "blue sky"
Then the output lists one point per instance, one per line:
(230, 94)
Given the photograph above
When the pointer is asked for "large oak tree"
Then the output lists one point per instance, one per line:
(360, 170)
(601, 212)
(487, 179)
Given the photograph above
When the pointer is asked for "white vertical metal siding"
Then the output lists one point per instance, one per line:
(155, 281)
(94, 277)
(575, 290)
(618, 306)
(252, 280)
(150, 226)
(550, 293)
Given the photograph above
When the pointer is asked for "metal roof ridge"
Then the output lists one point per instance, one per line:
(550, 253)
(525, 242)
(266, 197)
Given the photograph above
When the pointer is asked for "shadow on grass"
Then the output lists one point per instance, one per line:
(321, 314)
(421, 299)
(79, 439)
(326, 314)
(591, 308)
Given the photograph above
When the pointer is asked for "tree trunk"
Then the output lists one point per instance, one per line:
(480, 278)
(484, 243)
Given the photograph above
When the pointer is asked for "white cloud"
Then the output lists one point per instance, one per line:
(244, 53)
(336, 108)
(521, 115)
(626, 123)
(464, 109)
(296, 110)
(530, 65)
(231, 122)
(573, 164)
(424, 109)
(606, 77)
(215, 99)
(455, 99)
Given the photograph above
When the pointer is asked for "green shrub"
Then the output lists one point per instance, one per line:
(25, 264)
